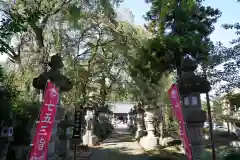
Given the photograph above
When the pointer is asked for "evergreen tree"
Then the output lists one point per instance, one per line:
(180, 27)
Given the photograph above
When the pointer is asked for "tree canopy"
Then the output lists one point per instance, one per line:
(179, 28)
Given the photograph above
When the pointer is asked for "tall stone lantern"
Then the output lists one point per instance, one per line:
(134, 116)
(190, 87)
(64, 84)
(130, 118)
(140, 122)
(150, 141)
(89, 138)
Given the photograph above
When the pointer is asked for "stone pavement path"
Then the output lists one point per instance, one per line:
(119, 146)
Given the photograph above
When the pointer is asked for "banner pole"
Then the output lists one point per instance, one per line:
(211, 127)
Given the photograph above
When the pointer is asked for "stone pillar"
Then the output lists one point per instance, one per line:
(150, 141)
(149, 122)
(89, 138)
(194, 121)
(65, 144)
(66, 132)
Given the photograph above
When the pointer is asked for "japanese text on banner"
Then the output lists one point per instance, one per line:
(44, 127)
(177, 109)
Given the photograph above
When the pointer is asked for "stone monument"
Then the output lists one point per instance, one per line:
(64, 84)
(190, 88)
(78, 124)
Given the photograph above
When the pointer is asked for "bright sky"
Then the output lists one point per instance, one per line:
(229, 10)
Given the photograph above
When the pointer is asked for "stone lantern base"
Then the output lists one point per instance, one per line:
(149, 142)
(89, 138)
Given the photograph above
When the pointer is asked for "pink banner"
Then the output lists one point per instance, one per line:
(177, 109)
(39, 149)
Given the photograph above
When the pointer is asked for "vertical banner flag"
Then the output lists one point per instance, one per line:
(39, 148)
(177, 109)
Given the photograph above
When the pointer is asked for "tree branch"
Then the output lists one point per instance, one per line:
(46, 17)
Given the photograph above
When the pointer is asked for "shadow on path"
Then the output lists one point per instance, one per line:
(121, 146)
(116, 154)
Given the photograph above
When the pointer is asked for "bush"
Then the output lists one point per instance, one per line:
(205, 130)
(25, 115)
(222, 153)
(8, 96)
(232, 156)
(103, 129)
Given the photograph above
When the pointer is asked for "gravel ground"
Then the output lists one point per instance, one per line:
(119, 146)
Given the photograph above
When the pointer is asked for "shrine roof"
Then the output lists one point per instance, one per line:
(121, 107)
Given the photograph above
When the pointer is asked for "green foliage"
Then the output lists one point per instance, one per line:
(103, 129)
(233, 156)
(180, 29)
(229, 75)
(14, 107)
(26, 110)
(8, 95)
(222, 153)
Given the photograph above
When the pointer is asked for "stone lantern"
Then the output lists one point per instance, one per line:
(103, 112)
(150, 141)
(64, 84)
(140, 122)
(134, 116)
(6, 138)
(190, 87)
(89, 138)
(65, 135)
(130, 118)
(110, 115)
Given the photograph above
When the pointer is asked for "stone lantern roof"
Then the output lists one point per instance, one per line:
(189, 82)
